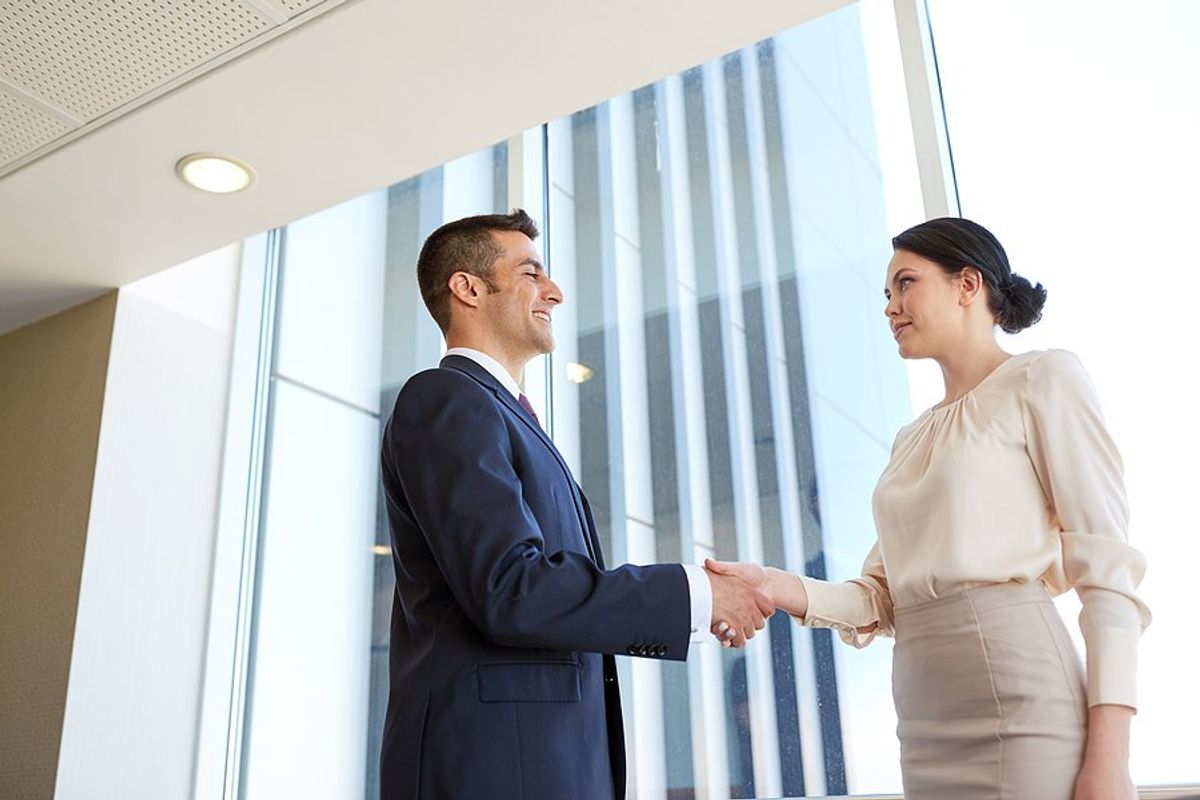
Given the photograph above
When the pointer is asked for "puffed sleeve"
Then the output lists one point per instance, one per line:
(1080, 472)
(863, 602)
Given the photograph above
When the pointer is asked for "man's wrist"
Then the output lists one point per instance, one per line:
(700, 602)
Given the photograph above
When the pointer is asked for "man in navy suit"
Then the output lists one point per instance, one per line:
(502, 680)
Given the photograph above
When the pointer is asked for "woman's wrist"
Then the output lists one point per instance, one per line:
(787, 592)
(1108, 732)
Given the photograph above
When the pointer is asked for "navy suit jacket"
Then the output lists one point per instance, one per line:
(502, 682)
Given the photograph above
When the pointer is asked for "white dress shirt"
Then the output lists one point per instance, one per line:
(699, 589)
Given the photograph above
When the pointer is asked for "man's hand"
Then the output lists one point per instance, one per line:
(740, 603)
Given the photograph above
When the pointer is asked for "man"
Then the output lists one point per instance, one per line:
(502, 680)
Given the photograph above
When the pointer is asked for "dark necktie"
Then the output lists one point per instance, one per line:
(525, 404)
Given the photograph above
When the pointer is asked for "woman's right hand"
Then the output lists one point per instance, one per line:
(752, 574)
(785, 589)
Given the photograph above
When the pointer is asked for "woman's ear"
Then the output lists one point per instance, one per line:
(970, 285)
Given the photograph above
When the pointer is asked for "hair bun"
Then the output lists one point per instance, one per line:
(1022, 305)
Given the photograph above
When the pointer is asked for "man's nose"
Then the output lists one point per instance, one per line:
(552, 293)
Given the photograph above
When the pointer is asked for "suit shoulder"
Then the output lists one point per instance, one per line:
(438, 379)
(433, 393)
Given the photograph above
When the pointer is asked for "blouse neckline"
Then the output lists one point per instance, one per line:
(995, 371)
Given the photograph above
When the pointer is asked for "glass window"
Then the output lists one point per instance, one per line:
(351, 328)
(724, 386)
(724, 392)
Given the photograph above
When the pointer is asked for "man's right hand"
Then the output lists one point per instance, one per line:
(744, 605)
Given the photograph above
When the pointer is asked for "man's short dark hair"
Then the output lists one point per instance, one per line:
(465, 245)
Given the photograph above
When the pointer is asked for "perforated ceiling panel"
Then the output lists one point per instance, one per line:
(25, 128)
(90, 56)
(294, 7)
(69, 63)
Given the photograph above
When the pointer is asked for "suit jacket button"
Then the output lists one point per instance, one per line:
(632, 649)
(660, 651)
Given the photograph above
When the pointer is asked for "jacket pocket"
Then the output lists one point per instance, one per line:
(528, 682)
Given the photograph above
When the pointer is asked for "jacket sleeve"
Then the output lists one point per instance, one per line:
(449, 450)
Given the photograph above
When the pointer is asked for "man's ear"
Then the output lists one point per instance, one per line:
(463, 287)
(970, 284)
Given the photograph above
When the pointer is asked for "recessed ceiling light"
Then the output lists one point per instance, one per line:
(215, 173)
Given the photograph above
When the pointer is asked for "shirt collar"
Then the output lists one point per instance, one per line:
(491, 365)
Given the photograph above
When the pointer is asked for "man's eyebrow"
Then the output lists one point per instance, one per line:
(533, 262)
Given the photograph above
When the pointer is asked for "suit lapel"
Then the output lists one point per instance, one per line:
(481, 375)
(582, 511)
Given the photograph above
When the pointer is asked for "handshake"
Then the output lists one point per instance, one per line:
(744, 595)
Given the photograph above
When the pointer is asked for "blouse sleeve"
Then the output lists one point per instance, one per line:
(859, 603)
(1080, 471)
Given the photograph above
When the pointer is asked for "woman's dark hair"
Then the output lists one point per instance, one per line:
(955, 244)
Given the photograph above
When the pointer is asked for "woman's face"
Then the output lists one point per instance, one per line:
(924, 306)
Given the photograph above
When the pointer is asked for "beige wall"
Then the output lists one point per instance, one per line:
(52, 379)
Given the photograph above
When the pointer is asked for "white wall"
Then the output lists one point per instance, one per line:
(132, 700)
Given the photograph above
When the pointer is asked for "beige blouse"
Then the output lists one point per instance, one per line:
(1017, 480)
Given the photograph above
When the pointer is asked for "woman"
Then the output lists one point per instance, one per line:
(1007, 492)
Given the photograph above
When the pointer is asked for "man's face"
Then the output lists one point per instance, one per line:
(520, 308)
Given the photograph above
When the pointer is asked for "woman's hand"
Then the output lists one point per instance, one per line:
(785, 591)
(1104, 779)
(753, 574)
(1105, 771)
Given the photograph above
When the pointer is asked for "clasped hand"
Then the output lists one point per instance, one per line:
(741, 601)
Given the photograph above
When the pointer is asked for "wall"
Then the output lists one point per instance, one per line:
(129, 727)
(52, 377)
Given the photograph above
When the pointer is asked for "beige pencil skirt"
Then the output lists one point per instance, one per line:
(989, 696)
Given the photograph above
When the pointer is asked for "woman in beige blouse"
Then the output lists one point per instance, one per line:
(1006, 493)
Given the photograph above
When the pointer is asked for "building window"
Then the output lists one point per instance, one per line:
(724, 385)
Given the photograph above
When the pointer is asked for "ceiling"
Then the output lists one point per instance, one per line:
(327, 99)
